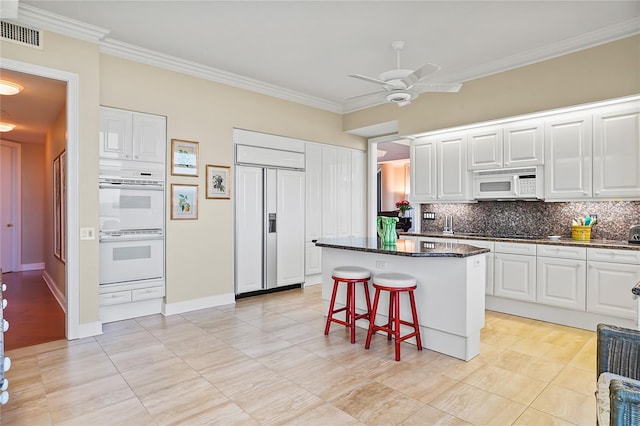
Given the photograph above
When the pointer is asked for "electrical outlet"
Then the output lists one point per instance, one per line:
(429, 215)
(87, 233)
(381, 264)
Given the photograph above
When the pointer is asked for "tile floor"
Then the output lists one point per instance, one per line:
(265, 360)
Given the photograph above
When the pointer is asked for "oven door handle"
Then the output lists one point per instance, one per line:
(139, 187)
(111, 239)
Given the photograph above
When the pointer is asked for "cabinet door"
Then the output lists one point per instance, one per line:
(452, 167)
(313, 259)
(329, 188)
(115, 134)
(313, 195)
(609, 288)
(343, 193)
(490, 261)
(616, 151)
(249, 222)
(523, 144)
(562, 282)
(485, 148)
(568, 157)
(357, 194)
(423, 170)
(149, 138)
(290, 227)
(515, 276)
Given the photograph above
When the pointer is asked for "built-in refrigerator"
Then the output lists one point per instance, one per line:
(269, 227)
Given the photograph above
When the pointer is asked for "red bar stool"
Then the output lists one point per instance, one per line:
(395, 284)
(351, 275)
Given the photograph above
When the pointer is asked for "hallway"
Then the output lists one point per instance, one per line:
(33, 313)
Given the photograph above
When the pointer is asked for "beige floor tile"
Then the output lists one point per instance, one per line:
(576, 379)
(262, 344)
(456, 368)
(586, 356)
(31, 412)
(506, 384)
(377, 404)
(533, 417)
(158, 375)
(325, 414)
(128, 412)
(140, 356)
(567, 405)
(75, 371)
(527, 365)
(423, 384)
(477, 406)
(433, 417)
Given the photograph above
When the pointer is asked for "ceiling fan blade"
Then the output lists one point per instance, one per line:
(365, 78)
(437, 87)
(372, 94)
(420, 73)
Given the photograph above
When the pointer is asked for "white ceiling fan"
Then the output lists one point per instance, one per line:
(403, 86)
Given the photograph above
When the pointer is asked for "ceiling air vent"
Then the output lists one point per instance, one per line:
(21, 35)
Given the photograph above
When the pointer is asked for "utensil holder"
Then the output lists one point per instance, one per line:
(581, 233)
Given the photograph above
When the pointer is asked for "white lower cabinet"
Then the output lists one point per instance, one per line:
(313, 259)
(490, 260)
(561, 282)
(609, 282)
(515, 274)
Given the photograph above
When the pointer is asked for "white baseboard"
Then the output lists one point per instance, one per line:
(195, 304)
(89, 329)
(60, 298)
(312, 280)
(31, 266)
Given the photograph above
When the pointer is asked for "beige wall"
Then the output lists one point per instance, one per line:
(34, 207)
(603, 72)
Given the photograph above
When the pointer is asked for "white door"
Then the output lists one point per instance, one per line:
(249, 234)
(358, 188)
(149, 138)
(9, 208)
(343, 192)
(290, 227)
(515, 276)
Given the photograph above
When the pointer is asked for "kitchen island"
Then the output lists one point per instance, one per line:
(449, 295)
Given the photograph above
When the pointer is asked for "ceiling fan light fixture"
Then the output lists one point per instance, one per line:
(9, 88)
(6, 127)
(400, 97)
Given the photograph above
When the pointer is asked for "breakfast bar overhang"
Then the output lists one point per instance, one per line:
(450, 293)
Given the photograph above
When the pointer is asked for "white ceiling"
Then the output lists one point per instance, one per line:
(304, 50)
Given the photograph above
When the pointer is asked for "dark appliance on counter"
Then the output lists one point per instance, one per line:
(634, 234)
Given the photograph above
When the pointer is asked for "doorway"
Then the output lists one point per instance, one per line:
(71, 269)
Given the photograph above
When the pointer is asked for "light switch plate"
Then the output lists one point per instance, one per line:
(87, 233)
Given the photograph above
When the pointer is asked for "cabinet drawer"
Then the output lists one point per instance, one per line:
(515, 248)
(615, 256)
(564, 252)
(147, 293)
(479, 243)
(115, 298)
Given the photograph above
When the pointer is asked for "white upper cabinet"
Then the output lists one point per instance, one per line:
(127, 135)
(523, 143)
(485, 148)
(452, 178)
(567, 149)
(423, 170)
(516, 144)
(616, 151)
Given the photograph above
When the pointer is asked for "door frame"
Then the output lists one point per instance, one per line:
(16, 154)
(72, 265)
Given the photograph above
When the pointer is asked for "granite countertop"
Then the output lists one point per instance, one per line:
(402, 247)
(609, 244)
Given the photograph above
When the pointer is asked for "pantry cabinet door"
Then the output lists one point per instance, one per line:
(313, 194)
(616, 151)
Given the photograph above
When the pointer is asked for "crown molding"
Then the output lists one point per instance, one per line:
(172, 63)
(604, 35)
(40, 19)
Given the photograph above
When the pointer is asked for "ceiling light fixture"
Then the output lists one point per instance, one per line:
(400, 97)
(382, 153)
(6, 127)
(9, 88)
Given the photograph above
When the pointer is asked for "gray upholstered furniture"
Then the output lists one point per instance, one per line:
(618, 369)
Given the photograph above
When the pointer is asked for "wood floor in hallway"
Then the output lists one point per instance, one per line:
(33, 313)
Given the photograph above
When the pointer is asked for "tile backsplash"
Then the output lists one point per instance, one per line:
(535, 217)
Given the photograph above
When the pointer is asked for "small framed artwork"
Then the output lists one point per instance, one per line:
(184, 158)
(57, 246)
(63, 206)
(218, 182)
(184, 201)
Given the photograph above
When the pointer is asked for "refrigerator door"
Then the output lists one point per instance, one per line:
(249, 229)
(271, 226)
(290, 226)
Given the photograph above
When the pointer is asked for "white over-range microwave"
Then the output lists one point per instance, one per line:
(524, 183)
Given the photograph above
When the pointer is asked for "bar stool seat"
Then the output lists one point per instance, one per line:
(351, 275)
(395, 283)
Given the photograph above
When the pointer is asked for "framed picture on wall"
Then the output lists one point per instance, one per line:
(184, 201)
(218, 182)
(184, 158)
(56, 208)
(63, 206)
